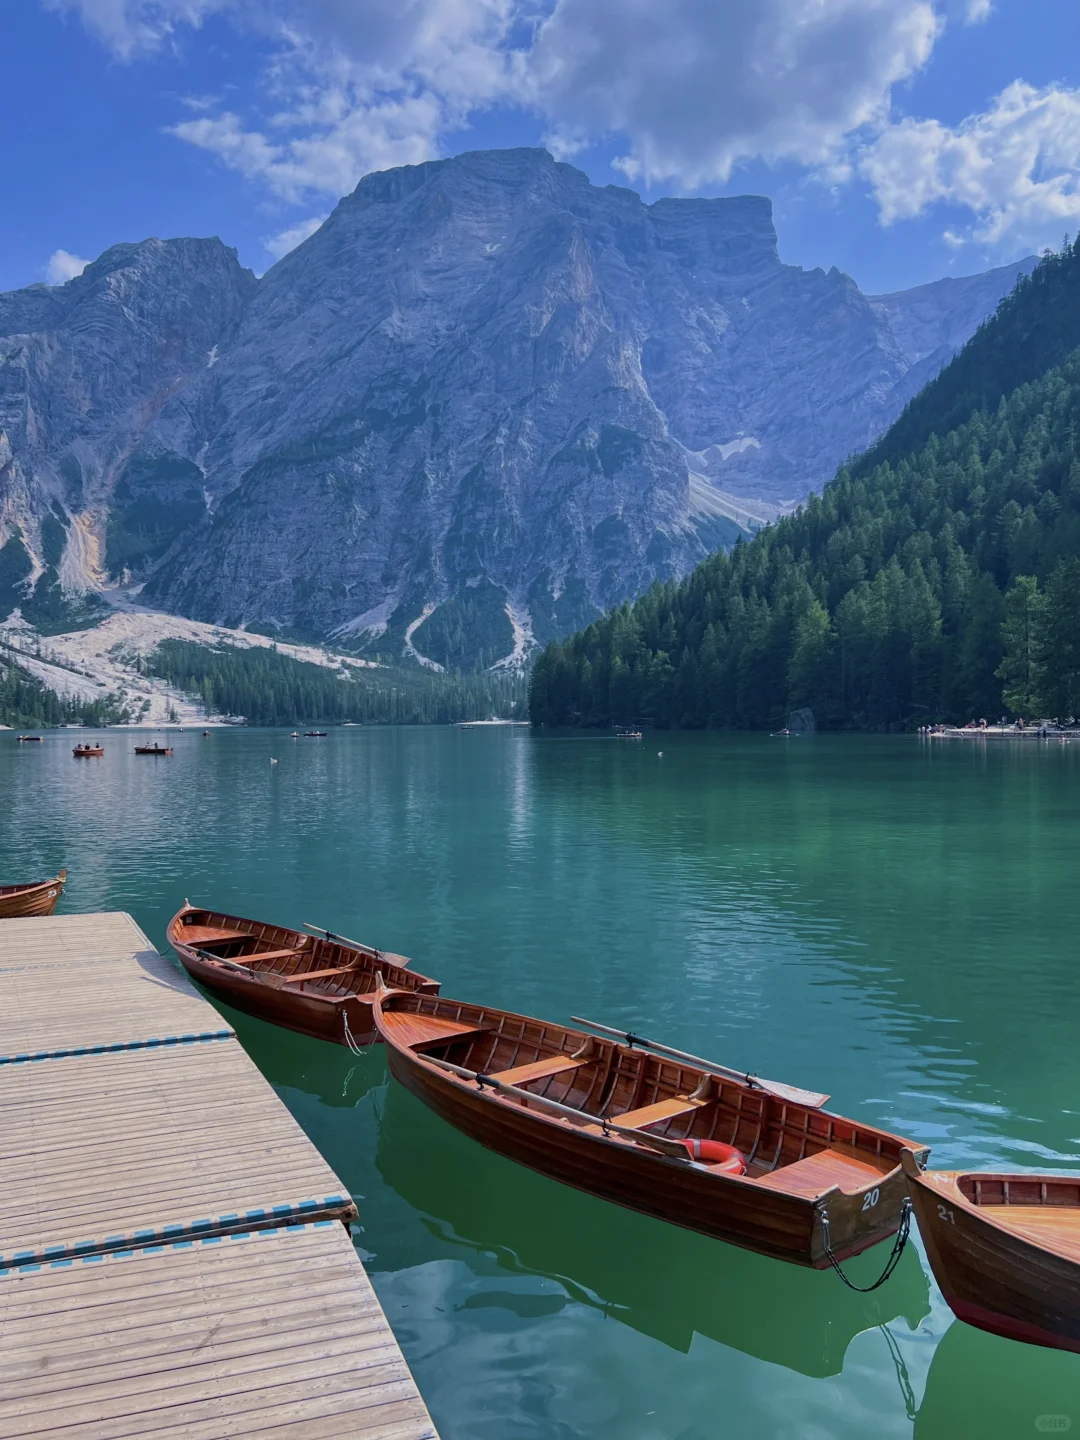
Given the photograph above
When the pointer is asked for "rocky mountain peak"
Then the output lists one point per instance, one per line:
(484, 400)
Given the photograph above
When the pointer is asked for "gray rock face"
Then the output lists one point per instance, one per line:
(484, 400)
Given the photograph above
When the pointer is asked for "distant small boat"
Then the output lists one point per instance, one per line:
(629, 735)
(88, 752)
(154, 749)
(746, 1160)
(31, 739)
(37, 898)
(206, 734)
(319, 984)
(1005, 1249)
(314, 734)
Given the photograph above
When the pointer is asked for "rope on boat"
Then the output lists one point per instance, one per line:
(899, 1242)
(349, 1041)
(902, 1376)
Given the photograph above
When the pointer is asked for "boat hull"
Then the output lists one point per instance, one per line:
(736, 1210)
(991, 1277)
(321, 1017)
(346, 974)
(26, 900)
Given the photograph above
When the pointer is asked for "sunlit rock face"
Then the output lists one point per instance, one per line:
(485, 400)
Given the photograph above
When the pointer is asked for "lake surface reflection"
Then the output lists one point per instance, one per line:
(892, 921)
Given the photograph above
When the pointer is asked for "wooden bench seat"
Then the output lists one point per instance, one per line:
(422, 1032)
(815, 1174)
(654, 1114)
(317, 974)
(540, 1069)
(259, 956)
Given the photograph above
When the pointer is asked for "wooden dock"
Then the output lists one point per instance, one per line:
(174, 1252)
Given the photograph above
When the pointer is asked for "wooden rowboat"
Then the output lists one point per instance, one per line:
(614, 1119)
(154, 749)
(38, 898)
(319, 986)
(88, 752)
(1004, 1249)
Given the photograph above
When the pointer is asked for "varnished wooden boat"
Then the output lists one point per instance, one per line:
(88, 752)
(39, 898)
(154, 749)
(1004, 1249)
(320, 986)
(622, 1114)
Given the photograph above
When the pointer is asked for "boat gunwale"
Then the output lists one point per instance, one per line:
(624, 1142)
(945, 1184)
(369, 964)
(7, 892)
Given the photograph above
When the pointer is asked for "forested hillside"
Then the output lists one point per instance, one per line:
(27, 704)
(268, 688)
(937, 577)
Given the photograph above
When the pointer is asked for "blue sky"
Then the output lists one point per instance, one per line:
(901, 140)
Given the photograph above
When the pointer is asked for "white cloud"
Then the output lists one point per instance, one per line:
(1015, 167)
(691, 87)
(63, 266)
(286, 240)
(137, 27)
(697, 86)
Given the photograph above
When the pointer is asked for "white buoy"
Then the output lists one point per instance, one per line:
(273, 761)
(659, 754)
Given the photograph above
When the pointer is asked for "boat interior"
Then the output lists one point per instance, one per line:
(285, 957)
(1042, 1208)
(785, 1145)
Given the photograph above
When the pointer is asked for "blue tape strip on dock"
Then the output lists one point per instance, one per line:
(129, 1251)
(224, 1227)
(156, 1043)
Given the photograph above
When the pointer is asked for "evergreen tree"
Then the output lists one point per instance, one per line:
(1023, 638)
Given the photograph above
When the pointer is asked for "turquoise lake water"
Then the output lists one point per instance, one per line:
(894, 921)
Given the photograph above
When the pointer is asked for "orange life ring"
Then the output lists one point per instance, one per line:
(721, 1157)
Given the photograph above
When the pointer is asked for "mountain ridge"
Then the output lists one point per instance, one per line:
(485, 396)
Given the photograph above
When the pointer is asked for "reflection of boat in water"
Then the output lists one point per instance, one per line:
(330, 1074)
(988, 1388)
(667, 1283)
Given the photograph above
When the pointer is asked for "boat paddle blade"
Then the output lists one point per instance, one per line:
(812, 1099)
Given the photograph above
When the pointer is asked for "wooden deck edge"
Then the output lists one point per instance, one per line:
(210, 1229)
(153, 1043)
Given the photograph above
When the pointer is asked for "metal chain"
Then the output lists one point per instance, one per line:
(890, 1265)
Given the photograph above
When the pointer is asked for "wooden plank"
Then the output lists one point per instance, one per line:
(147, 1285)
(62, 939)
(541, 1069)
(205, 1341)
(78, 1007)
(653, 1114)
(166, 1142)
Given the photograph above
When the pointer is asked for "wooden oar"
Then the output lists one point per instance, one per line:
(368, 950)
(673, 1148)
(813, 1099)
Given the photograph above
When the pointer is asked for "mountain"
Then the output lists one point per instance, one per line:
(936, 578)
(483, 401)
